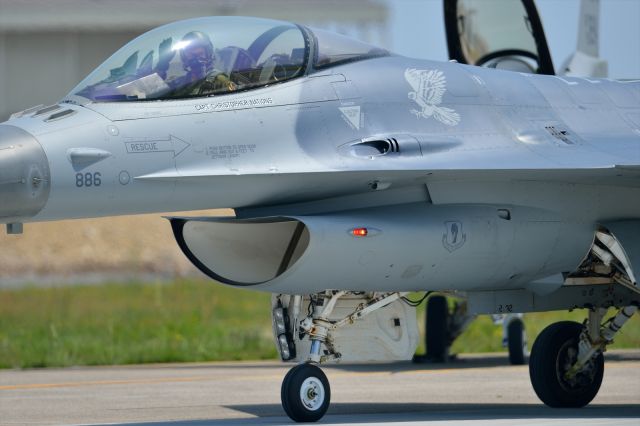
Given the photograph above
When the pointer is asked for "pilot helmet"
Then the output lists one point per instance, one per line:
(197, 53)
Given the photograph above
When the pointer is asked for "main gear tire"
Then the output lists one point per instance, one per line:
(437, 329)
(517, 342)
(553, 353)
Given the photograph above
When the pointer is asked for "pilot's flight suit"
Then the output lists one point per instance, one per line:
(212, 83)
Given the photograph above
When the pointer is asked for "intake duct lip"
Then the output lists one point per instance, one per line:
(256, 250)
(177, 225)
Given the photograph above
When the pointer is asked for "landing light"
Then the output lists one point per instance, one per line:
(284, 336)
(284, 347)
(278, 318)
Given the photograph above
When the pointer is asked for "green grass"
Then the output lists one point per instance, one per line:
(484, 336)
(136, 323)
(187, 320)
(490, 335)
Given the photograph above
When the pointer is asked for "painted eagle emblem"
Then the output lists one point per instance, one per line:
(429, 87)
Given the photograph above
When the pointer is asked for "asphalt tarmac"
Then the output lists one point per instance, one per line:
(472, 390)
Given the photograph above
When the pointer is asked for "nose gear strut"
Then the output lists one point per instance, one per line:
(305, 390)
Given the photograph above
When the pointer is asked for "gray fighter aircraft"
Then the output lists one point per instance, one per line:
(505, 35)
(356, 176)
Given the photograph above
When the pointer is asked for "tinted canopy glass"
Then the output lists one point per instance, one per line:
(334, 49)
(199, 57)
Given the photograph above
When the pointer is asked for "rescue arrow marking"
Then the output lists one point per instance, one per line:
(142, 146)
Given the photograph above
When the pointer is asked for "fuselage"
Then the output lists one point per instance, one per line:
(282, 143)
(309, 136)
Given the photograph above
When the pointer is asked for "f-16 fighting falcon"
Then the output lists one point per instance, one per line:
(356, 176)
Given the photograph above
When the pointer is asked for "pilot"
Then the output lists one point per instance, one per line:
(201, 77)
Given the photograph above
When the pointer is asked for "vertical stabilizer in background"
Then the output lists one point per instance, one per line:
(497, 34)
(585, 61)
(509, 35)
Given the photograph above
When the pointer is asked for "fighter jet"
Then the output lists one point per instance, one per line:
(356, 176)
(504, 35)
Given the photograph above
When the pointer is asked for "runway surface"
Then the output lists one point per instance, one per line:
(473, 390)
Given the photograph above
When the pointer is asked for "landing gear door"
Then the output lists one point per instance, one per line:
(505, 34)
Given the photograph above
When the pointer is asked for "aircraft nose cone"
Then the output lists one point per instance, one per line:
(24, 175)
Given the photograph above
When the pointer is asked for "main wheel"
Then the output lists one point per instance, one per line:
(517, 342)
(553, 353)
(437, 329)
(305, 393)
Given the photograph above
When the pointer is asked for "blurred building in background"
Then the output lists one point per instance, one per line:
(48, 46)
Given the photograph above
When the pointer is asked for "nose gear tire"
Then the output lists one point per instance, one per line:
(305, 393)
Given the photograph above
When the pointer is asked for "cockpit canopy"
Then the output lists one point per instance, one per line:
(216, 55)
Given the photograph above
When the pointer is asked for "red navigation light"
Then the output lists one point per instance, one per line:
(359, 232)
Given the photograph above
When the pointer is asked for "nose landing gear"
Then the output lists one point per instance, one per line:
(305, 391)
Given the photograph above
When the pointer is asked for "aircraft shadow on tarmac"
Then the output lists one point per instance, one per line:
(439, 411)
(371, 413)
(476, 361)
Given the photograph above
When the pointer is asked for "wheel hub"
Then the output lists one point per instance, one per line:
(312, 393)
(567, 357)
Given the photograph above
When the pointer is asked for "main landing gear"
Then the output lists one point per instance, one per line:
(566, 364)
(438, 337)
(516, 339)
(443, 326)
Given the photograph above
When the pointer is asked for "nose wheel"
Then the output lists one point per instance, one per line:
(305, 393)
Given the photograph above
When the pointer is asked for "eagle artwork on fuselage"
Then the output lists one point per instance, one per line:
(429, 87)
(341, 186)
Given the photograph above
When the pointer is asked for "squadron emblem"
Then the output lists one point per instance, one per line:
(429, 87)
(453, 237)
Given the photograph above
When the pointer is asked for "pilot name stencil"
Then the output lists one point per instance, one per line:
(235, 104)
(429, 87)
